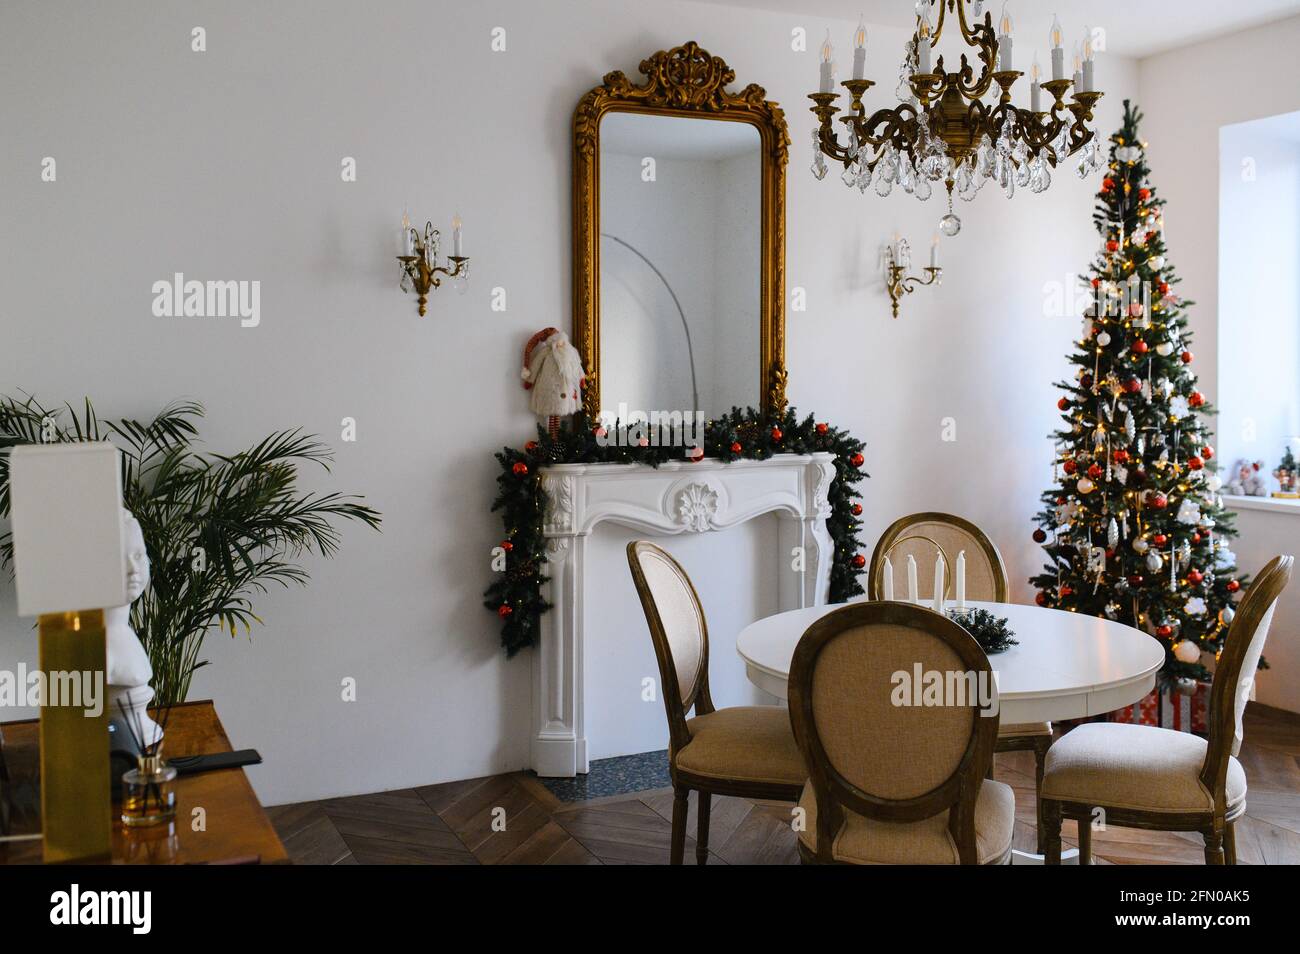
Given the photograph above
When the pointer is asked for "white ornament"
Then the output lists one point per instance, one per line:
(1164, 349)
(1194, 607)
(1103, 339)
(1085, 486)
(1227, 615)
(128, 665)
(1157, 262)
(1189, 512)
(1187, 651)
(1140, 545)
(1154, 561)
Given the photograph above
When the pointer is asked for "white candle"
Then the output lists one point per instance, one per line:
(828, 66)
(938, 583)
(887, 583)
(961, 580)
(404, 246)
(860, 51)
(1058, 51)
(457, 249)
(1004, 40)
(934, 251)
(1035, 90)
(1087, 60)
(911, 578)
(923, 41)
(1078, 69)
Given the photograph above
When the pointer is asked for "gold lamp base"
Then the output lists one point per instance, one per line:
(76, 792)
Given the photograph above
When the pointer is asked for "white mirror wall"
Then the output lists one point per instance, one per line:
(680, 280)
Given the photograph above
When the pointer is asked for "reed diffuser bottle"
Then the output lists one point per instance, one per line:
(149, 792)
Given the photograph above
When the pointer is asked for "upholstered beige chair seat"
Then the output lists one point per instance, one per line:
(753, 743)
(1025, 729)
(865, 841)
(1136, 767)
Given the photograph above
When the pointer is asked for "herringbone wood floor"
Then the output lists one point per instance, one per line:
(452, 823)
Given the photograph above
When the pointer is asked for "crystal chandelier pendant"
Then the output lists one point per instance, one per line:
(950, 225)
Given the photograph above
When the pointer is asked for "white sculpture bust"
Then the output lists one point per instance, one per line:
(129, 670)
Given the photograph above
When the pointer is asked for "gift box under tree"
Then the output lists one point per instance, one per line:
(1171, 708)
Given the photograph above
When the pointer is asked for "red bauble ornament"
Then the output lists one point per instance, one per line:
(1140, 347)
(1139, 476)
(1195, 399)
(1040, 598)
(1164, 631)
(1135, 579)
(1195, 575)
(1164, 288)
(1160, 501)
(519, 468)
(1066, 590)
(1234, 586)
(1107, 184)
(1195, 463)
(857, 460)
(856, 510)
(1187, 357)
(504, 610)
(1085, 382)
(822, 428)
(1095, 471)
(1132, 385)
(776, 434)
(530, 446)
(1144, 194)
(1063, 403)
(1120, 455)
(1069, 467)
(507, 545)
(1096, 282)
(1112, 246)
(859, 561)
(1207, 452)
(1160, 539)
(735, 447)
(1040, 536)
(1196, 538)
(696, 455)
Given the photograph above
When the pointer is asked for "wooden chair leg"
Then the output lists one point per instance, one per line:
(1230, 843)
(1213, 846)
(1085, 839)
(1040, 757)
(678, 850)
(1052, 832)
(702, 838)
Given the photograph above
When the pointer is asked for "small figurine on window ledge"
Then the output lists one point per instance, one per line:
(553, 372)
(1286, 476)
(1247, 481)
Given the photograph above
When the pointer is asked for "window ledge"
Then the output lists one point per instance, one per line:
(1272, 504)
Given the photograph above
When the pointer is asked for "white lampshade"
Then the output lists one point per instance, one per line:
(66, 507)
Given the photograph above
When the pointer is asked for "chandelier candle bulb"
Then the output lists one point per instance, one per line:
(404, 239)
(457, 248)
(934, 251)
(887, 581)
(961, 580)
(860, 51)
(1058, 51)
(938, 582)
(1004, 40)
(1035, 90)
(923, 43)
(911, 579)
(827, 65)
(1088, 53)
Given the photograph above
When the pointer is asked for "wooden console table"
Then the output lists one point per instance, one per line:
(237, 829)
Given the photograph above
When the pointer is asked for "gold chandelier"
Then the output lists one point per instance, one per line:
(943, 130)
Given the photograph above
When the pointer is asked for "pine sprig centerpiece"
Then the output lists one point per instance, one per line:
(516, 594)
(991, 632)
(1135, 529)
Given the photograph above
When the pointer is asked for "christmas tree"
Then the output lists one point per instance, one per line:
(1135, 528)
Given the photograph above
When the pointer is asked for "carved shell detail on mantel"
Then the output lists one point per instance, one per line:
(697, 506)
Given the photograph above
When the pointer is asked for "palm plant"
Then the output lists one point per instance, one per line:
(219, 528)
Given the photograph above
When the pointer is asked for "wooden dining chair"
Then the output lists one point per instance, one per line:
(1157, 779)
(890, 782)
(746, 751)
(919, 535)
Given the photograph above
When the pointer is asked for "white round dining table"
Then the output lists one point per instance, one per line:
(1065, 666)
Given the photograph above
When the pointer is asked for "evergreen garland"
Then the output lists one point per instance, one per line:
(1135, 529)
(516, 594)
(991, 632)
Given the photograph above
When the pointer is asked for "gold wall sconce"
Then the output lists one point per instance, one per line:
(418, 258)
(898, 259)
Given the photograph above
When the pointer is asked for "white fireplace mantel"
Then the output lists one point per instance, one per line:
(675, 498)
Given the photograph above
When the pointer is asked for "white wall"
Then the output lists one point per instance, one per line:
(1232, 79)
(225, 165)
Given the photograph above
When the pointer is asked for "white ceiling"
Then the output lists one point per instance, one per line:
(1133, 27)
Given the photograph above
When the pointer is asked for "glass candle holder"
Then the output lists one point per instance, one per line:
(149, 793)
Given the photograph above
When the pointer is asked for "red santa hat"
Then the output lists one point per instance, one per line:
(533, 342)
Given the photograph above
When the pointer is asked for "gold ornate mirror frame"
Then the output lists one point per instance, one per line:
(684, 81)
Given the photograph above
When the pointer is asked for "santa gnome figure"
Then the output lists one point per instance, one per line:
(553, 372)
